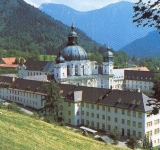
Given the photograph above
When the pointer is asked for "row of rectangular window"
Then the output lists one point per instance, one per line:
(150, 133)
(92, 114)
(109, 119)
(109, 127)
(17, 93)
(25, 101)
(116, 110)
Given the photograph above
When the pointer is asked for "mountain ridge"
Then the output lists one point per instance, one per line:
(102, 25)
(145, 47)
(24, 27)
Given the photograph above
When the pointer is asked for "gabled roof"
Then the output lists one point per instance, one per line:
(8, 66)
(138, 75)
(125, 100)
(6, 81)
(107, 97)
(49, 67)
(29, 86)
(9, 60)
(44, 78)
(39, 66)
(66, 88)
(113, 98)
(145, 102)
(138, 68)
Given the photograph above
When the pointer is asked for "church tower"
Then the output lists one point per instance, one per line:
(60, 69)
(106, 79)
(107, 63)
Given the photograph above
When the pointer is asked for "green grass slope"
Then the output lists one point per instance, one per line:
(21, 132)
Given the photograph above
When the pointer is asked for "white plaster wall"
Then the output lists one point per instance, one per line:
(155, 137)
(26, 98)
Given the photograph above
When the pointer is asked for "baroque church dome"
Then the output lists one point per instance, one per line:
(73, 51)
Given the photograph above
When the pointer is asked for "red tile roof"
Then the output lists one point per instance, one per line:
(8, 66)
(9, 60)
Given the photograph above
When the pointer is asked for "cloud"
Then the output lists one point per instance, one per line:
(37, 3)
(81, 5)
(85, 5)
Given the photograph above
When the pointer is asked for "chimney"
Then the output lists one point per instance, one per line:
(138, 90)
(13, 79)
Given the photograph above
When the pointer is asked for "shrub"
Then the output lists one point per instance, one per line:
(85, 133)
(35, 115)
(115, 136)
(132, 142)
(14, 107)
(48, 118)
(1, 105)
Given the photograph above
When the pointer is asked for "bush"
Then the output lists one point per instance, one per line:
(85, 133)
(115, 136)
(1, 105)
(35, 115)
(48, 118)
(61, 124)
(14, 107)
(132, 142)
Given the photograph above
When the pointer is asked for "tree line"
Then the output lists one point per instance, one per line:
(25, 28)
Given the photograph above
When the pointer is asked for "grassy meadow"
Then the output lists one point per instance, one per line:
(22, 132)
(47, 57)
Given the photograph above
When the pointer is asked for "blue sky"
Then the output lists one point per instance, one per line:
(81, 5)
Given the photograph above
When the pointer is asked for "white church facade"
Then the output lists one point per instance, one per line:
(72, 66)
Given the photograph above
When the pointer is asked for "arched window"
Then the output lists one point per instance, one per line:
(68, 70)
(76, 70)
(82, 70)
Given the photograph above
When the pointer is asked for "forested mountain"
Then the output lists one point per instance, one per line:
(24, 27)
(148, 46)
(112, 23)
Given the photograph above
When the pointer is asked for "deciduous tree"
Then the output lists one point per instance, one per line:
(147, 14)
(53, 97)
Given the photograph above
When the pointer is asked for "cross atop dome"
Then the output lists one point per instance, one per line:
(72, 26)
(72, 37)
(108, 45)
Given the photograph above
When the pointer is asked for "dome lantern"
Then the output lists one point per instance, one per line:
(72, 36)
(72, 51)
(108, 56)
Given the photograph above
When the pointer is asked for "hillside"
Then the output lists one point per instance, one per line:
(23, 132)
(112, 23)
(148, 46)
(24, 27)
